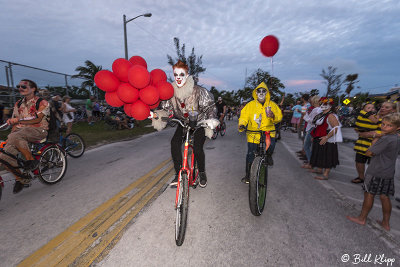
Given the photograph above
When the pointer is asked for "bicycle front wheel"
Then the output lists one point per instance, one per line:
(215, 134)
(258, 185)
(182, 210)
(52, 165)
(223, 129)
(74, 145)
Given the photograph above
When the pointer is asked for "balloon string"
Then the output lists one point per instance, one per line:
(272, 66)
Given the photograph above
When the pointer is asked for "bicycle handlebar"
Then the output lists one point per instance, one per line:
(6, 126)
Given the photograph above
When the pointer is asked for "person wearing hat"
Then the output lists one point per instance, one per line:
(68, 113)
(221, 109)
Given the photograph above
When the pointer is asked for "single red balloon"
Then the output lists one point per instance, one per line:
(140, 111)
(158, 75)
(269, 46)
(166, 90)
(128, 109)
(155, 105)
(138, 76)
(113, 100)
(138, 60)
(127, 93)
(149, 95)
(120, 68)
(106, 81)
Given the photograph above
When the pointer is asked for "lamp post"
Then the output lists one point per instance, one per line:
(125, 37)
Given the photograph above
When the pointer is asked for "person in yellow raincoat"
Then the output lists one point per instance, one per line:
(261, 114)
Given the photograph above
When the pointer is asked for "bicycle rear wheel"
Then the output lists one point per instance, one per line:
(223, 129)
(74, 145)
(258, 185)
(52, 165)
(182, 210)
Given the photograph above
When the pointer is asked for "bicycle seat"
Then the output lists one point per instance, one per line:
(40, 141)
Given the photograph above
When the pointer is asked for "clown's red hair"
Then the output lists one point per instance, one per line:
(181, 65)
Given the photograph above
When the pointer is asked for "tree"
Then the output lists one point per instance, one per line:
(314, 92)
(350, 81)
(87, 73)
(333, 81)
(259, 76)
(194, 62)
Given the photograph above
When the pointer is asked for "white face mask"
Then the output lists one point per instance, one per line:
(261, 95)
(325, 107)
(180, 76)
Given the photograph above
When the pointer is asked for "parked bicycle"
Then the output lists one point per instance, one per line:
(259, 174)
(221, 129)
(52, 163)
(72, 144)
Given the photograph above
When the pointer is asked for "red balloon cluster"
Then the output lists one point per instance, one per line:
(269, 46)
(132, 86)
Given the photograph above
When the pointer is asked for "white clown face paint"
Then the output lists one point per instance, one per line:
(180, 76)
(325, 106)
(261, 93)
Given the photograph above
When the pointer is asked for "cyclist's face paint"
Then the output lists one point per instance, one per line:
(261, 93)
(180, 76)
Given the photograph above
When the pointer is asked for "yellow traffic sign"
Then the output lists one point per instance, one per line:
(346, 101)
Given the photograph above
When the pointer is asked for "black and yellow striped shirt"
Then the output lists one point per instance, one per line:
(363, 124)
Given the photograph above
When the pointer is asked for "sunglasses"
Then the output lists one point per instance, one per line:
(261, 91)
(21, 86)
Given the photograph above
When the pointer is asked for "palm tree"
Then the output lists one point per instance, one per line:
(87, 73)
(350, 80)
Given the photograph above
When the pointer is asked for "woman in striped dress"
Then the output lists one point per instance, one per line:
(367, 121)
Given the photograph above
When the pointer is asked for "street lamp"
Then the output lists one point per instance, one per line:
(125, 37)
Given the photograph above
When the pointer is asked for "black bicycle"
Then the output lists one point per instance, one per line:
(259, 174)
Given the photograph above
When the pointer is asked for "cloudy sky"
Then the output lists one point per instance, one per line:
(356, 36)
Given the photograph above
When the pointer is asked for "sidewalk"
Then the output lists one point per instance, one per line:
(340, 184)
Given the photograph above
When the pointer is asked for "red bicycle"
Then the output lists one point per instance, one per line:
(187, 177)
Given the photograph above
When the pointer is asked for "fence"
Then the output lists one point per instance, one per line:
(11, 73)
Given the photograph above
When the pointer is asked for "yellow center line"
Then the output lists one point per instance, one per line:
(85, 228)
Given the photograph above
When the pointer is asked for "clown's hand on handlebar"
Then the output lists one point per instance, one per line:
(242, 128)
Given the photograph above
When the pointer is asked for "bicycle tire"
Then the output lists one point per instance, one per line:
(215, 134)
(223, 129)
(258, 185)
(182, 211)
(76, 148)
(51, 158)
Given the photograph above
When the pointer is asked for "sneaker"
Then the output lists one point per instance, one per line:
(245, 180)
(175, 181)
(203, 179)
(397, 199)
(270, 161)
(31, 164)
(18, 186)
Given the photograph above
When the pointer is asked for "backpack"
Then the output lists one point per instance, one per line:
(53, 133)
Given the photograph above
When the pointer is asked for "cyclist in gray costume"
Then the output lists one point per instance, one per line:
(188, 97)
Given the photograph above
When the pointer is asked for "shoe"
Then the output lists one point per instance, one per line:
(18, 186)
(175, 181)
(203, 179)
(397, 199)
(270, 161)
(357, 180)
(31, 164)
(245, 180)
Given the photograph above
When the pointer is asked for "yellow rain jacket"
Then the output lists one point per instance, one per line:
(254, 116)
